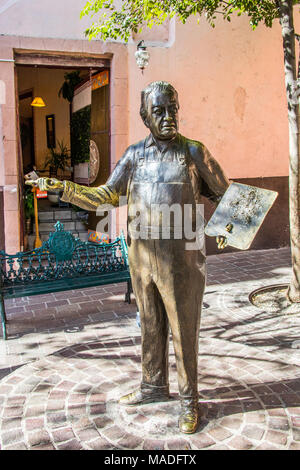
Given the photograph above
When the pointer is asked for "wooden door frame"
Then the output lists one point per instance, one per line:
(56, 59)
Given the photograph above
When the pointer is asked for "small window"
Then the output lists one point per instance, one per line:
(50, 127)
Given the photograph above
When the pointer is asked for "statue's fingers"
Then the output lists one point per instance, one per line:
(223, 244)
(31, 182)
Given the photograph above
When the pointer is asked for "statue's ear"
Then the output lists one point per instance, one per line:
(144, 118)
(145, 121)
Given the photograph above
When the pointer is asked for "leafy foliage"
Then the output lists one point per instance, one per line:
(58, 159)
(67, 89)
(80, 135)
(28, 202)
(115, 22)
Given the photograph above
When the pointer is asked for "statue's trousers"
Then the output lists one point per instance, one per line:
(168, 282)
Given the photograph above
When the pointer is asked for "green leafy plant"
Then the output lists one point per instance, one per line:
(118, 19)
(80, 135)
(67, 89)
(28, 203)
(58, 158)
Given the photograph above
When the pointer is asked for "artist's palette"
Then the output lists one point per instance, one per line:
(240, 214)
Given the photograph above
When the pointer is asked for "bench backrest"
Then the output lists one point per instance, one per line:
(63, 256)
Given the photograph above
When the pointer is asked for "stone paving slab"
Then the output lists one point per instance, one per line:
(71, 355)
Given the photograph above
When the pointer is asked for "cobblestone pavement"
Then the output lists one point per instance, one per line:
(72, 354)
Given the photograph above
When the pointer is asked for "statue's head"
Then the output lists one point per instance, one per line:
(159, 110)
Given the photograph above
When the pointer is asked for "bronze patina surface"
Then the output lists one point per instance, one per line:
(240, 214)
(168, 280)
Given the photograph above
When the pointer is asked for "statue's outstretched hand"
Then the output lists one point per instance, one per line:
(46, 184)
(222, 242)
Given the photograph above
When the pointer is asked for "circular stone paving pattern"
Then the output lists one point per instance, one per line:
(69, 400)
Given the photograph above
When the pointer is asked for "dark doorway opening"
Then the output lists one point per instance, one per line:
(43, 129)
(27, 130)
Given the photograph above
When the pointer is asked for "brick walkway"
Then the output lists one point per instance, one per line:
(71, 355)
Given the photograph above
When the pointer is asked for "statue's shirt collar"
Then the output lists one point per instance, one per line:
(169, 145)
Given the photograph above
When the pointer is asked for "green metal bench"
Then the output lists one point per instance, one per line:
(62, 263)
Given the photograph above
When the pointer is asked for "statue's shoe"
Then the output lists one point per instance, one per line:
(189, 418)
(139, 398)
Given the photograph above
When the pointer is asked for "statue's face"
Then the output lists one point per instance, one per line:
(162, 115)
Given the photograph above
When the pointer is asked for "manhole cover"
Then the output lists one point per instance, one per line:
(274, 299)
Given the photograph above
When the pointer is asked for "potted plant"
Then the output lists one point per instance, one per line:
(57, 159)
(66, 91)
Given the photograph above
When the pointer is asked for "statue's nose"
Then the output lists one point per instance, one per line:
(168, 116)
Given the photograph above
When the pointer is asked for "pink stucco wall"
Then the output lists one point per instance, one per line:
(231, 89)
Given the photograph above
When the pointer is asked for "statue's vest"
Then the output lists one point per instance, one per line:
(160, 192)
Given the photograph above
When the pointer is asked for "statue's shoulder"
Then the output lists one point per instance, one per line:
(196, 148)
(137, 146)
(129, 154)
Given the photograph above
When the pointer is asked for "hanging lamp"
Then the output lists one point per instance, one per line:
(38, 101)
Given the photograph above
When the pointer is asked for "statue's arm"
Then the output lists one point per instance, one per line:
(214, 182)
(90, 198)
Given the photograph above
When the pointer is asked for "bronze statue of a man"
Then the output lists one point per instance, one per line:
(168, 280)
